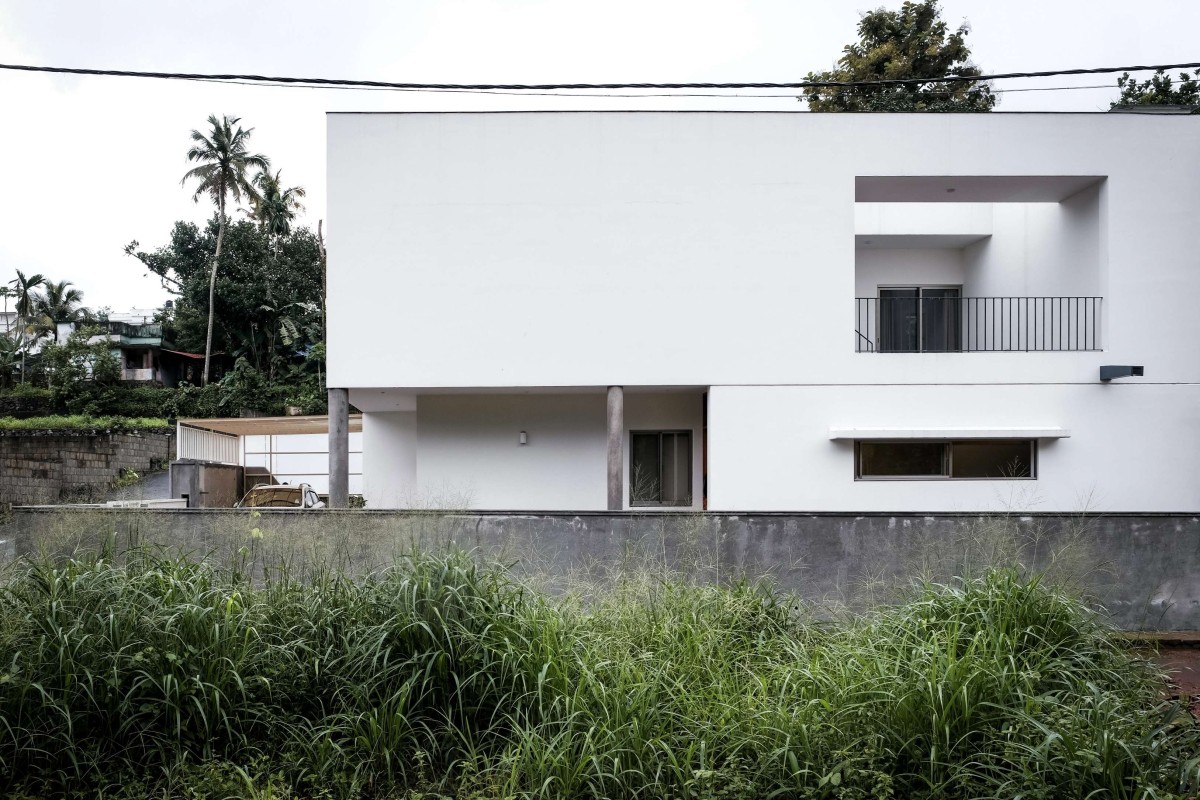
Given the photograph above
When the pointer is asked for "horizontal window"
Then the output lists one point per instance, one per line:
(966, 459)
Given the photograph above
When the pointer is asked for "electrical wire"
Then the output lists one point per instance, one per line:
(515, 93)
(527, 88)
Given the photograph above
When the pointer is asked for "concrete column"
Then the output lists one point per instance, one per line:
(616, 447)
(339, 448)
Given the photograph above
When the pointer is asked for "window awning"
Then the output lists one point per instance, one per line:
(1022, 432)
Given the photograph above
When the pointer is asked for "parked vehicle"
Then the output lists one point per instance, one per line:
(281, 496)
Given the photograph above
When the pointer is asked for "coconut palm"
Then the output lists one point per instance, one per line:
(59, 303)
(6, 293)
(224, 161)
(24, 290)
(275, 207)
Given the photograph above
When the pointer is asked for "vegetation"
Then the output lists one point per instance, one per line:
(913, 42)
(441, 679)
(269, 305)
(1159, 90)
(81, 422)
(222, 174)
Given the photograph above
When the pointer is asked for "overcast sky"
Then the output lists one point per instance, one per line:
(93, 163)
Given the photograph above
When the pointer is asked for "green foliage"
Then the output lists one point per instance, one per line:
(269, 294)
(1159, 90)
(80, 422)
(913, 42)
(442, 679)
(76, 366)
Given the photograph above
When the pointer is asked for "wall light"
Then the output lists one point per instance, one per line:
(523, 438)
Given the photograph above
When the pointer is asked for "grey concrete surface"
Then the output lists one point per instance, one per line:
(339, 448)
(1144, 570)
(152, 486)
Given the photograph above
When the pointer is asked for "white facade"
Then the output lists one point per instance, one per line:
(516, 265)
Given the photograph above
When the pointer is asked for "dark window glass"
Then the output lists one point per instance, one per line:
(899, 320)
(920, 320)
(902, 459)
(986, 458)
(660, 468)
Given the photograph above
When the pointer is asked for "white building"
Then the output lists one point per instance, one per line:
(800, 312)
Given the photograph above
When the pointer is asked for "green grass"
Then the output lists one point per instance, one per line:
(80, 422)
(169, 677)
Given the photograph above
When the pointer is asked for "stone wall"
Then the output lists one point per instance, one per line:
(1144, 570)
(48, 467)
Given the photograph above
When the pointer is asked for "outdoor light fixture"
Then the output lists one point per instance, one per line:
(1110, 371)
(523, 438)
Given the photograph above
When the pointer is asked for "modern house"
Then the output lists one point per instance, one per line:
(768, 311)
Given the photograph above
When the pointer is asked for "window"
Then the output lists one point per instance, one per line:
(968, 459)
(660, 468)
(920, 319)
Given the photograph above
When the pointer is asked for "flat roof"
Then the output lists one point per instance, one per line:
(269, 426)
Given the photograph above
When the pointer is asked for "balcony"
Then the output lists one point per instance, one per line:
(938, 321)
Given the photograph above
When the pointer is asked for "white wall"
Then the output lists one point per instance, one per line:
(390, 459)
(468, 455)
(1132, 447)
(301, 458)
(463, 451)
(534, 244)
(925, 267)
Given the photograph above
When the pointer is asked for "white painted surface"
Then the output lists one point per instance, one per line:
(1010, 432)
(561, 253)
(513, 235)
(301, 458)
(464, 451)
(390, 459)
(769, 447)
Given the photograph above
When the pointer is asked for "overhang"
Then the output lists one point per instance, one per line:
(269, 426)
(837, 433)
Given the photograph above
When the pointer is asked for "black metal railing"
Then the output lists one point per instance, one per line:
(976, 324)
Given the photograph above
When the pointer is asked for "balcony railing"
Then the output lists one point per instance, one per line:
(976, 324)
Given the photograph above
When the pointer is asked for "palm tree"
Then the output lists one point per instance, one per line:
(23, 289)
(275, 207)
(59, 303)
(223, 163)
(6, 293)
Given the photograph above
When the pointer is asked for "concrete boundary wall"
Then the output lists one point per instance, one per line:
(75, 466)
(1144, 569)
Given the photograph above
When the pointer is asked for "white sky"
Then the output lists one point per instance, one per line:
(93, 163)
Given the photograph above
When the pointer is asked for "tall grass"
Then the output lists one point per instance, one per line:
(171, 677)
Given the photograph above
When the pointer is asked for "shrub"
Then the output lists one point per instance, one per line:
(441, 677)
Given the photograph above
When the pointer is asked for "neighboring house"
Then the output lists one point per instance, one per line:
(146, 357)
(769, 311)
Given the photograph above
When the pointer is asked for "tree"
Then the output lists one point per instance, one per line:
(57, 304)
(5, 293)
(913, 42)
(24, 287)
(270, 293)
(1159, 90)
(275, 207)
(224, 160)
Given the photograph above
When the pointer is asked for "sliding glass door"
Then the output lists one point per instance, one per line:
(920, 319)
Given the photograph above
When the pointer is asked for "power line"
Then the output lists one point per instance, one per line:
(534, 93)
(520, 87)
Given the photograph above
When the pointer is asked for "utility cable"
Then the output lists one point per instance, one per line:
(521, 87)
